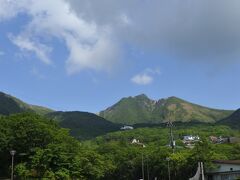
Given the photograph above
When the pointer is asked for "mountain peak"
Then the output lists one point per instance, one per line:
(141, 96)
(141, 109)
(175, 99)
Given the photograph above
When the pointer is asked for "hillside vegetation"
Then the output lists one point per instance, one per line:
(233, 120)
(11, 105)
(141, 109)
(83, 125)
(46, 151)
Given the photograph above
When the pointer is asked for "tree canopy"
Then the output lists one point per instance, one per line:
(44, 150)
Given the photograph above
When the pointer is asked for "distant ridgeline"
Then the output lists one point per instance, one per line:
(233, 120)
(82, 125)
(11, 105)
(139, 111)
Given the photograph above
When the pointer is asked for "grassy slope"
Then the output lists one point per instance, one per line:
(176, 109)
(130, 110)
(11, 105)
(141, 109)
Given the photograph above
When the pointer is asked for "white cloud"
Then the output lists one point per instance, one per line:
(191, 30)
(39, 49)
(146, 77)
(90, 46)
(142, 79)
(93, 31)
(10, 8)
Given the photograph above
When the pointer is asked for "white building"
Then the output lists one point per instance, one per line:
(135, 141)
(225, 170)
(126, 128)
(191, 138)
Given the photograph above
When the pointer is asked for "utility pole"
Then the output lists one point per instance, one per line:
(169, 173)
(202, 171)
(142, 166)
(12, 152)
(143, 146)
(148, 175)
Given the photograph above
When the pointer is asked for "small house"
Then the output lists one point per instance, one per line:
(221, 140)
(225, 170)
(190, 138)
(135, 141)
(126, 128)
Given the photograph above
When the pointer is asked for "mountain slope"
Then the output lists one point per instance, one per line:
(233, 120)
(130, 110)
(141, 109)
(11, 105)
(83, 125)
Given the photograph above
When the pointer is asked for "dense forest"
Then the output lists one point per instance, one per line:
(44, 150)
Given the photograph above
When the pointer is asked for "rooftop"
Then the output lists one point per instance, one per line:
(227, 161)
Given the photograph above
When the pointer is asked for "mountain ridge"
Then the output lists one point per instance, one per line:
(141, 109)
(11, 105)
(233, 120)
(129, 110)
(83, 125)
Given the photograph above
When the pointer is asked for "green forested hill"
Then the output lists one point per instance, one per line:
(83, 125)
(233, 120)
(131, 110)
(46, 151)
(11, 105)
(141, 109)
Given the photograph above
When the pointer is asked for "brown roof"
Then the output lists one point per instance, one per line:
(227, 161)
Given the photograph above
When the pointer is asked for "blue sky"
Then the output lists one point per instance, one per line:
(86, 55)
